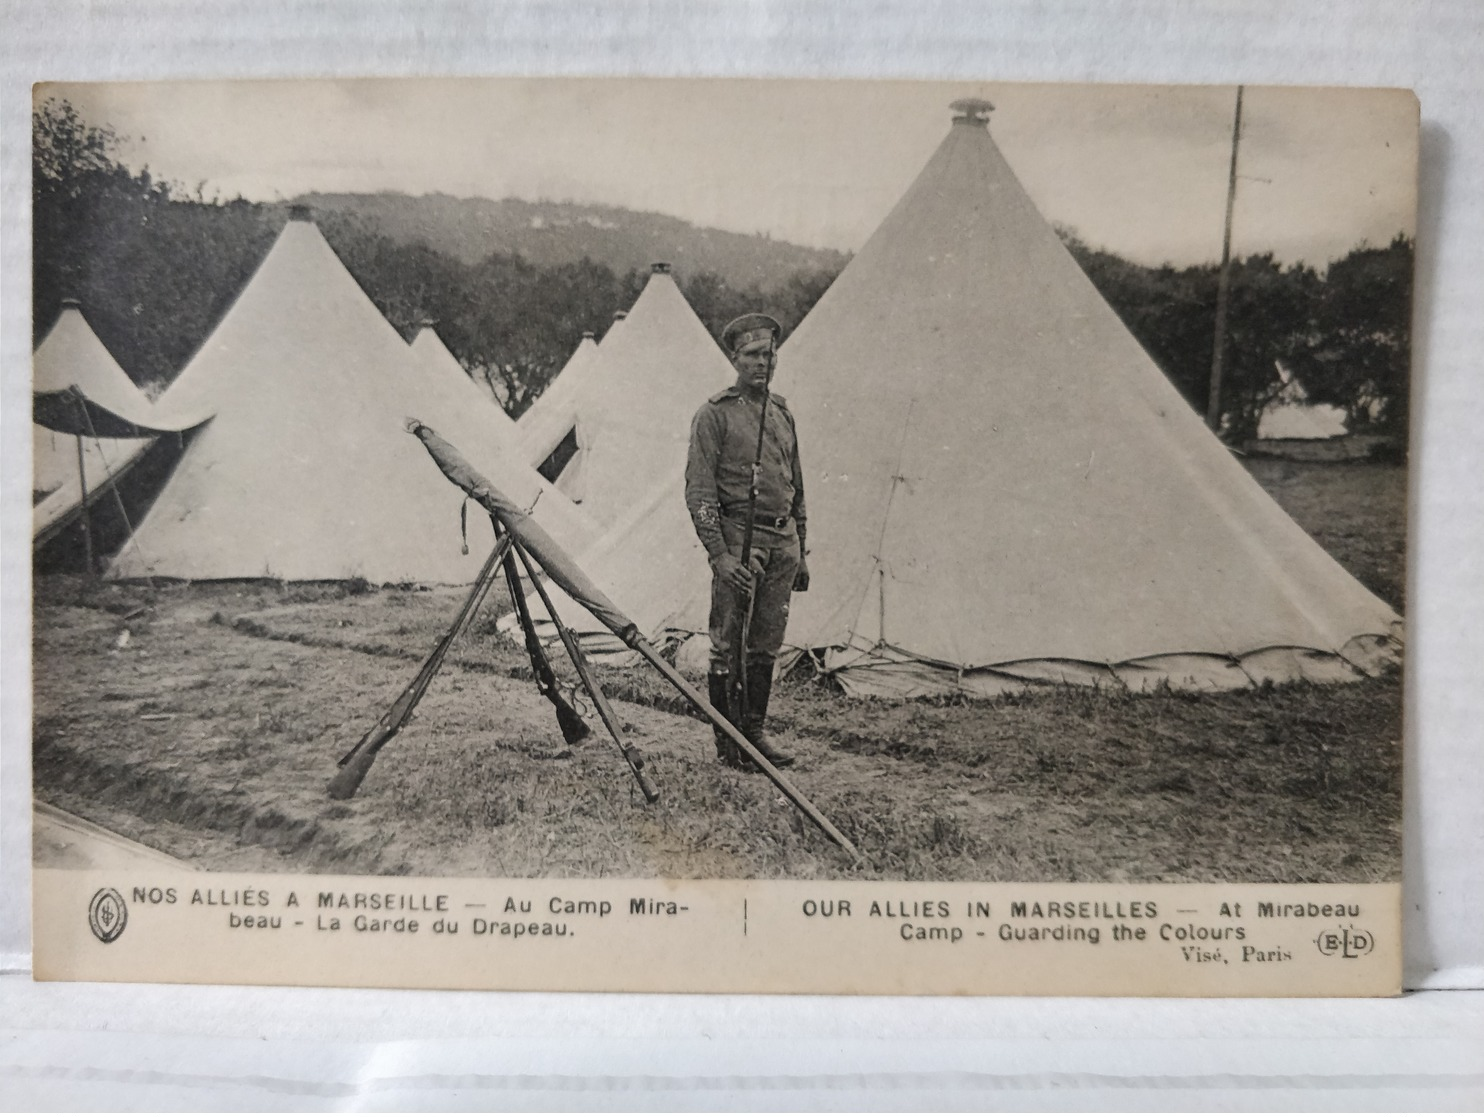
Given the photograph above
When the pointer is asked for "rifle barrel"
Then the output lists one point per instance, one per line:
(573, 727)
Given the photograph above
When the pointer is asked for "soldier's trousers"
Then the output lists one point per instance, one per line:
(779, 556)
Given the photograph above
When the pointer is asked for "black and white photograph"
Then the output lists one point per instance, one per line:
(713, 481)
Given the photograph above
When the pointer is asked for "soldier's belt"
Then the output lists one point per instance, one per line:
(777, 523)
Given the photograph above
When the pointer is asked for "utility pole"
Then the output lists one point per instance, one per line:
(1223, 282)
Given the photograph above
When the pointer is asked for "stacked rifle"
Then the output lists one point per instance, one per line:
(518, 539)
(357, 762)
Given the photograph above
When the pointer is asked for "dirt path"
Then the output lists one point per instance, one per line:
(60, 840)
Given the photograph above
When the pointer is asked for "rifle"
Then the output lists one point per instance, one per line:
(566, 574)
(738, 689)
(357, 762)
(631, 754)
(574, 728)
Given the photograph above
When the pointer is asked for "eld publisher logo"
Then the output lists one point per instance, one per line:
(107, 915)
(1346, 942)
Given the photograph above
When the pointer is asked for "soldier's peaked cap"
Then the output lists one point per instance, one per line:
(747, 329)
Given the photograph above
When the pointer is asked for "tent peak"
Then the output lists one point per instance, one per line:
(71, 303)
(972, 110)
(588, 335)
(659, 267)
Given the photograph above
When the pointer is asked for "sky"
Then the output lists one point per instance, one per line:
(1140, 170)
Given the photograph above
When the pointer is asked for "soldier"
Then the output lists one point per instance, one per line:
(724, 441)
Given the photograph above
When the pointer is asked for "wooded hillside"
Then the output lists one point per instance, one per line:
(513, 285)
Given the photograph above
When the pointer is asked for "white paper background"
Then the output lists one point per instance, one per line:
(173, 1047)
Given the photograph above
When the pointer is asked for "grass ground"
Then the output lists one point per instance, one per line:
(205, 720)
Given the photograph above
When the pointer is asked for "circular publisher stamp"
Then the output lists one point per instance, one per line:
(1345, 942)
(107, 915)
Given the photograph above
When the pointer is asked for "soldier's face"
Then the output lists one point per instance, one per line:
(754, 366)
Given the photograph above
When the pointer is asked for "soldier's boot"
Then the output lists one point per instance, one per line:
(759, 691)
(719, 692)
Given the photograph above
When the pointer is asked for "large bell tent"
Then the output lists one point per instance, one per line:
(1003, 488)
(630, 416)
(92, 423)
(307, 471)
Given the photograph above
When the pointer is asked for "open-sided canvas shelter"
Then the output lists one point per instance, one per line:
(93, 423)
(54, 457)
(57, 486)
(77, 387)
(307, 471)
(1002, 486)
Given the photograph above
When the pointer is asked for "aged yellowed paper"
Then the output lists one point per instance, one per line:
(774, 536)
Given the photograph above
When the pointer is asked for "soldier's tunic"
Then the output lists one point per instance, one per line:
(718, 475)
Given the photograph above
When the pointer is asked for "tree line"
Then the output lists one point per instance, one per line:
(157, 264)
(1344, 334)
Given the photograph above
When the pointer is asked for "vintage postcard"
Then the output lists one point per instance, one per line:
(769, 536)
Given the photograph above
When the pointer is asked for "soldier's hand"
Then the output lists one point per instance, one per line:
(729, 569)
(801, 577)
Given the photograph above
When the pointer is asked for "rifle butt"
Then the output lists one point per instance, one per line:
(355, 765)
(574, 728)
(347, 781)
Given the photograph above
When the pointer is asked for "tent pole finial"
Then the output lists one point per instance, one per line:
(972, 110)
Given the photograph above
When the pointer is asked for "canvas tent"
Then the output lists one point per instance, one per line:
(449, 401)
(57, 487)
(92, 423)
(54, 458)
(614, 327)
(552, 418)
(448, 378)
(1291, 415)
(78, 388)
(1004, 489)
(631, 415)
(307, 471)
(652, 557)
